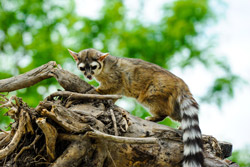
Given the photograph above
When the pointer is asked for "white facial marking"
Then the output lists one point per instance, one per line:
(98, 69)
(94, 63)
(81, 65)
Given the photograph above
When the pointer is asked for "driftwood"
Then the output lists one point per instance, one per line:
(78, 127)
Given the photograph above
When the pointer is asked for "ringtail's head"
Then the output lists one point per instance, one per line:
(89, 61)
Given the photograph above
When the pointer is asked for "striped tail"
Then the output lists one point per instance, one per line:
(192, 137)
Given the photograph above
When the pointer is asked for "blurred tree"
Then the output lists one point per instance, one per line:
(33, 32)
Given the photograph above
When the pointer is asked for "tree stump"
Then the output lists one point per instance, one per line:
(78, 127)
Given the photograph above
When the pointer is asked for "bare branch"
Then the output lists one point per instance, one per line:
(79, 96)
(72, 82)
(27, 79)
(114, 122)
(120, 139)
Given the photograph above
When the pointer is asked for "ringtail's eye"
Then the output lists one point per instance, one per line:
(94, 67)
(82, 68)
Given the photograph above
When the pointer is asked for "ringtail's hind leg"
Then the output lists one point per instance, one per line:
(162, 106)
(155, 118)
(159, 108)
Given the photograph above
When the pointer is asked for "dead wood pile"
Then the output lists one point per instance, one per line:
(78, 127)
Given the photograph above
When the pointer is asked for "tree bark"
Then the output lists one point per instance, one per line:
(78, 127)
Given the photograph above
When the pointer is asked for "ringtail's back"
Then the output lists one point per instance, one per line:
(154, 87)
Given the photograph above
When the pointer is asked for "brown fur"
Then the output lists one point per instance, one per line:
(152, 86)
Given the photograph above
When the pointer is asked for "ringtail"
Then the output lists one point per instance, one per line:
(163, 93)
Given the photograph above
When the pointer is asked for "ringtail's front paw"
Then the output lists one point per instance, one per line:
(98, 90)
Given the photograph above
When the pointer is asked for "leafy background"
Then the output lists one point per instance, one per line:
(33, 32)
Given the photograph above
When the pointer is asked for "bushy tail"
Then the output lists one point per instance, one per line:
(192, 137)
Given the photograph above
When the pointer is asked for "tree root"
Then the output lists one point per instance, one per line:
(27, 147)
(16, 138)
(69, 124)
(73, 155)
(5, 138)
(3, 134)
(50, 137)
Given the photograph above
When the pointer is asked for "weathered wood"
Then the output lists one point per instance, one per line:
(80, 96)
(93, 131)
(27, 147)
(226, 148)
(27, 79)
(72, 82)
(50, 133)
(16, 139)
(119, 139)
(5, 138)
(73, 155)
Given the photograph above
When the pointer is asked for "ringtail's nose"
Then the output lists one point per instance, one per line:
(89, 77)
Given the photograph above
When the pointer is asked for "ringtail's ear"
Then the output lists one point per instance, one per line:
(73, 54)
(103, 56)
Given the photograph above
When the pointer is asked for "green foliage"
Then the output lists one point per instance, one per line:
(5, 120)
(139, 111)
(222, 84)
(33, 32)
(170, 123)
(241, 157)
